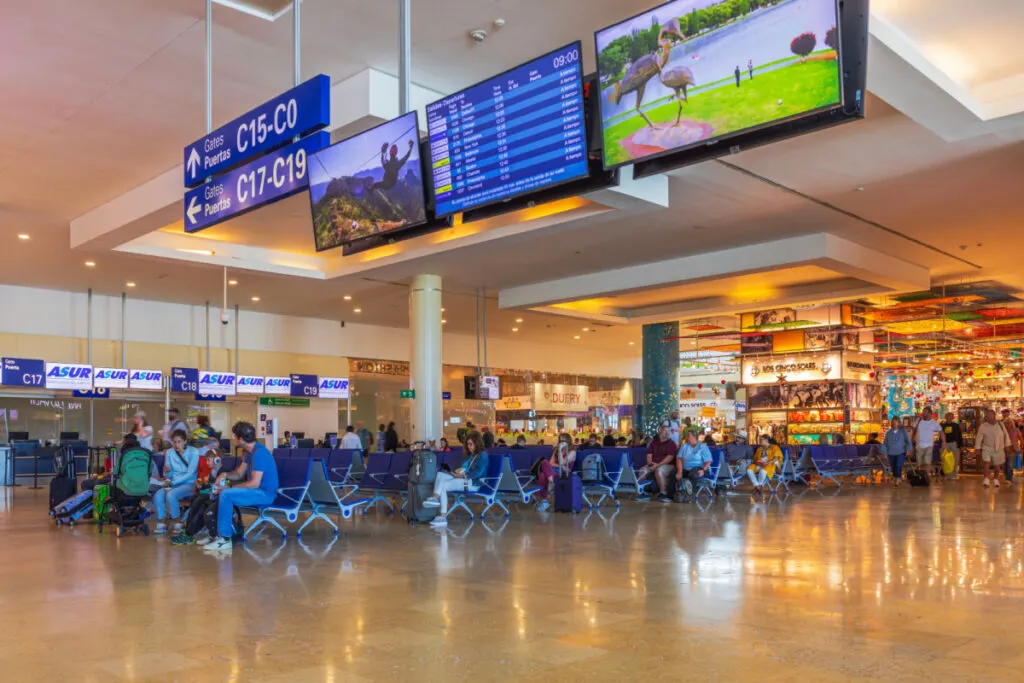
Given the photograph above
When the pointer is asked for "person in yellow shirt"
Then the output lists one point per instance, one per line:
(766, 459)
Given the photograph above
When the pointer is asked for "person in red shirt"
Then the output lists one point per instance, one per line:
(661, 462)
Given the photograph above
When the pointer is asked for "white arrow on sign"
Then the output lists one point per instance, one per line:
(193, 162)
(193, 209)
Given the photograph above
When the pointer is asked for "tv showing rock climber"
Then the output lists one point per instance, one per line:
(691, 71)
(369, 184)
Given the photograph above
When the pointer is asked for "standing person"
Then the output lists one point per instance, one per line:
(609, 438)
(1013, 445)
(750, 68)
(487, 437)
(928, 429)
(674, 428)
(174, 424)
(469, 477)
(390, 438)
(381, 434)
(661, 461)
(737, 75)
(896, 444)
(365, 437)
(181, 464)
(563, 459)
(692, 464)
(351, 440)
(991, 443)
(142, 431)
(259, 489)
(953, 437)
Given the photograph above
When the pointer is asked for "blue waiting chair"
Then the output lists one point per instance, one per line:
(372, 480)
(615, 461)
(323, 495)
(293, 485)
(487, 493)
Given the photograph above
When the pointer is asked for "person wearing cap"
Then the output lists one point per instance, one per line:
(142, 431)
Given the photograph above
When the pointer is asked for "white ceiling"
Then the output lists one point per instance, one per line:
(96, 110)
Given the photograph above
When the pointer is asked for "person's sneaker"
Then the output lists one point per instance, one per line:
(995, 482)
(543, 506)
(985, 482)
(206, 540)
(221, 545)
(161, 528)
(439, 522)
(178, 527)
(183, 539)
(642, 497)
(662, 498)
(432, 503)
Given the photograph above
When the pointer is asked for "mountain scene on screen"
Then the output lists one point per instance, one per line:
(367, 203)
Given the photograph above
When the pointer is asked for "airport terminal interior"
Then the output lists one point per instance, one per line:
(436, 340)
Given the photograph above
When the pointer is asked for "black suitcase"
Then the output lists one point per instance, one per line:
(422, 473)
(916, 477)
(61, 488)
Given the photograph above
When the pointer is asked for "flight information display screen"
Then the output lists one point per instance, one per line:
(518, 132)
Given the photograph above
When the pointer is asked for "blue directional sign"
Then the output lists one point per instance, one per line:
(102, 392)
(301, 110)
(446, 395)
(277, 175)
(211, 398)
(185, 380)
(305, 385)
(23, 372)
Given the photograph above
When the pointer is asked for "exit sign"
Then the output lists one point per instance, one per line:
(284, 401)
(407, 393)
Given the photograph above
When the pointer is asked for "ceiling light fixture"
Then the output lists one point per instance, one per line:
(23, 236)
(443, 310)
(198, 252)
(357, 310)
(129, 284)
(256, 298)
(519, 320)
(347, 297)
(515, 329)
(586, 329)
(576, 337)
(443, 321)
(232, 282)
(632, 343)
(90, 264)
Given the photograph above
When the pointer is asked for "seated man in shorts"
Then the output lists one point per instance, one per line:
(661, 461)
(693, 463)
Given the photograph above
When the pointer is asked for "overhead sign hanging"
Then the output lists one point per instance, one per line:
(304, 386)
(333, 387)
(146, 380)
(68, 376)
(185, 380)
(249, 384)
(218, 383)
(278, 386)
(270, 178)
(111, 378)
(299, 111)
(23, 372)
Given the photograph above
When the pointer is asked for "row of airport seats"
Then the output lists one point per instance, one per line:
(33, 460)
(320, 481)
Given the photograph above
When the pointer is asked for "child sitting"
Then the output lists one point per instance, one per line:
(203, 500)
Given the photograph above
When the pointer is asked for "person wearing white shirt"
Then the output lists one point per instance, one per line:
(991, 443)
(928, 428)
(674, 428)
(351, 440)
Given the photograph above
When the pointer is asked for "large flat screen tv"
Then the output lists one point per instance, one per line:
(691, 72)
(368, 184)
(518, 132)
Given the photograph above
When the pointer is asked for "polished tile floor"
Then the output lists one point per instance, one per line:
(867, 585)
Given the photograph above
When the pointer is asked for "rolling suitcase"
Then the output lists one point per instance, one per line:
(422, 473)
(61, 488)
(568, 494)
(73, 509)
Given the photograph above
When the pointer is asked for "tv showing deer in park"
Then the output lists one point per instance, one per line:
(693, 71)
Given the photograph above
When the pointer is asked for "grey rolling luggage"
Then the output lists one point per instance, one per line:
(422, 472)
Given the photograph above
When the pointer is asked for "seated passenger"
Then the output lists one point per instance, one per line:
(693, 463)
(101, 476)
(202, 501)
(181, 463)
(661, 461)
(766, 459)
(520, 442)
(442, 445)
(469, 477)
(259, 489)
(592, 441)
(563, 459)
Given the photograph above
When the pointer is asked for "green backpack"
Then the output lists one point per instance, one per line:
(133, 470)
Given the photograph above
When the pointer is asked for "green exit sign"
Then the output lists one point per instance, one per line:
(284, 402)
(408, 393)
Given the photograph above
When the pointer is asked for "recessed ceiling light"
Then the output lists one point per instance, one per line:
(443, 310)
(357, 310)
(586, 329)
(129, 284)
(23, 236)
(443, 321)
(255, 298)
(515, 329)
(232, 282)
(576, 337)
(347, 297)
(90, 264)
(632, 343)
(519, 320)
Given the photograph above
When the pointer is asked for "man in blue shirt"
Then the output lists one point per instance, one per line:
(692, 463)
(259, 489)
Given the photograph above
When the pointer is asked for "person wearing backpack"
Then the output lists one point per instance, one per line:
(181, 466)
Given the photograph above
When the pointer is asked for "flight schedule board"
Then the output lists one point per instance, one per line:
(518, 132)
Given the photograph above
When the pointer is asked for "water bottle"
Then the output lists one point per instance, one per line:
(295, 442)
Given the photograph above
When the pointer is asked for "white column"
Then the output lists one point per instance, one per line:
(425, 357)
